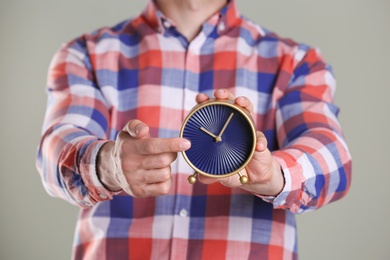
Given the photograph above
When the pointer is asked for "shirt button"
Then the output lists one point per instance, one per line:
(103, 196)
(221, 26)
(183, 213)
(166, 24)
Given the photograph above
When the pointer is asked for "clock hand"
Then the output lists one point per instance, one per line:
(208, 132)
(218, 138)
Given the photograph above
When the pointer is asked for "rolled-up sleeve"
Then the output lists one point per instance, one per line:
(313, 153)
(74, 129)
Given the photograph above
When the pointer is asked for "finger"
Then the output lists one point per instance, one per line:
(262, 143)
(152, 189)
(207, 180)
(158, 189)
(161, 145)
(137, 129)
(245, 103)
(231, 181)
(158, 161)
(223, 94)
(201, 98)
(156, 175)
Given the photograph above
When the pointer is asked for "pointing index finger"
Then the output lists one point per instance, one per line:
(162, 145)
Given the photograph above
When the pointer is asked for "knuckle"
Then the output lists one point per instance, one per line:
(130, 126)
(139, 192)
(165, 159)
(150, 147)
(166, 174)
(161, 161)
(224, 181)
(165, 189)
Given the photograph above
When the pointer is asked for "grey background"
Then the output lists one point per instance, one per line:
(354, 37)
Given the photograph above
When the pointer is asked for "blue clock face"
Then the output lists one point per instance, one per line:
(222, 139)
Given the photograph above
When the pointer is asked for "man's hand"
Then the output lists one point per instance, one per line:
(264, 172)
(137, 163)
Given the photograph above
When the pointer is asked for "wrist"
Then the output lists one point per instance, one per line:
(275, 182)
(105, 167)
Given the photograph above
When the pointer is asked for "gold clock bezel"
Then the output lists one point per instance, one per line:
(245, 113)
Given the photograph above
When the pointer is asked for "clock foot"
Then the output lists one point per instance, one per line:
(243, 179)
(192, 178)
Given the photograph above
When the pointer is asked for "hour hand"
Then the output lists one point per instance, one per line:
(208, 132)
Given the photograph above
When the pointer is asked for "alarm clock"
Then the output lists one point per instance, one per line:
(223, 139)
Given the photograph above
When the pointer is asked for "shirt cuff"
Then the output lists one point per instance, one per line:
(97, 192)
(292, 197)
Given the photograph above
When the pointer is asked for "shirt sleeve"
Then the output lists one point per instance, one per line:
(313, 153)
(74, 129)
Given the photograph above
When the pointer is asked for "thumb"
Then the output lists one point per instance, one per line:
(208, 180)
(137, 129)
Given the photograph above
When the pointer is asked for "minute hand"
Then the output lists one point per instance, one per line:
(218, 138)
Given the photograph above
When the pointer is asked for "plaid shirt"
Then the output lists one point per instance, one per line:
(145, 69)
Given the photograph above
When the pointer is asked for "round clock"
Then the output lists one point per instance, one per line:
(223, 139)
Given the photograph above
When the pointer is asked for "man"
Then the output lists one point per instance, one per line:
(117, 99)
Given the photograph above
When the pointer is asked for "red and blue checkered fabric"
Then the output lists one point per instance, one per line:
(143, 68)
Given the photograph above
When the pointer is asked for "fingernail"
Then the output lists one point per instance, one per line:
(185, 145)
(261, 146)
(220, 91)
(138, 129)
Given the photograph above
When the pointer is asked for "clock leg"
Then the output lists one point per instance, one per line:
(192, 178)
(243, 179)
